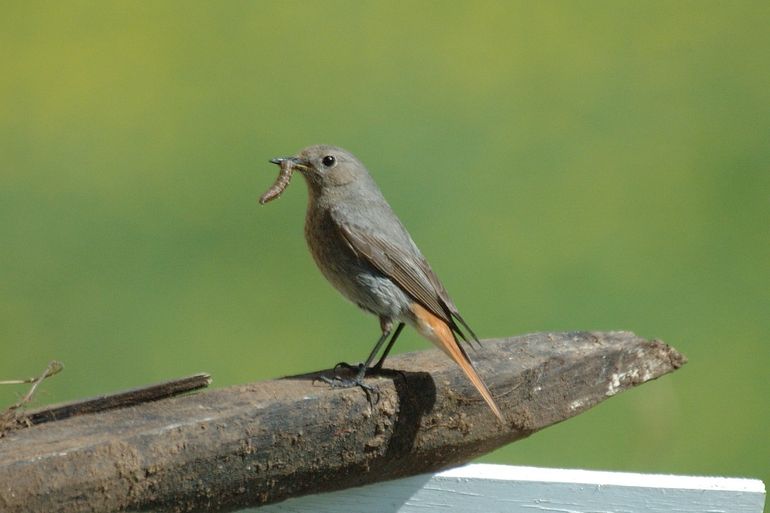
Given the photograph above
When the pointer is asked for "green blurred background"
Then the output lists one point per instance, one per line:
(563, 165)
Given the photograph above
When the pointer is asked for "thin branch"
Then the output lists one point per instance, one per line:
(124, 399)
(54, 367)
(10, 417)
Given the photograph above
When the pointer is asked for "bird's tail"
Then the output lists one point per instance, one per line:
(437, 331)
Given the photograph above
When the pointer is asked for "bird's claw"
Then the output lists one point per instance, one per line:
(347, 366)
(337, 382)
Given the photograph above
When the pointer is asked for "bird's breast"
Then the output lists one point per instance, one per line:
(348, 272)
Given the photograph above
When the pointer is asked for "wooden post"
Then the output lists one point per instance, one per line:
(264, 442)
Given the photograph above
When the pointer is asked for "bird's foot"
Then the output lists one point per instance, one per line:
(374, 370)
(357, 381)
(347, 366)
(338, 382)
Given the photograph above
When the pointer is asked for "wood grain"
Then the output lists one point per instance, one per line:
(261, 443)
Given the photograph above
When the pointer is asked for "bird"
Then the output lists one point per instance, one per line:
(366, 253)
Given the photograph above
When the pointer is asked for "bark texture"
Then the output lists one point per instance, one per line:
(263, 442)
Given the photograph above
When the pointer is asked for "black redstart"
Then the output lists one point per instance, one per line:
(362, 248)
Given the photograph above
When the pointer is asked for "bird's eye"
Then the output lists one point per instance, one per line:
(328, 161)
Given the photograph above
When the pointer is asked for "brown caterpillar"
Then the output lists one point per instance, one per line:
(281, 182)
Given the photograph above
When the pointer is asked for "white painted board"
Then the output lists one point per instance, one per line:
(480, 488)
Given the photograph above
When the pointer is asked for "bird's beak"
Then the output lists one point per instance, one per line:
(296, 161)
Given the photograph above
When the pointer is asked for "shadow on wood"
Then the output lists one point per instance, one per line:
(264, 442)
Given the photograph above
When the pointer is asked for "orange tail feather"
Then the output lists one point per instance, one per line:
(437, 331)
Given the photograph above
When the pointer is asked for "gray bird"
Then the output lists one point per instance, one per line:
(362, 248)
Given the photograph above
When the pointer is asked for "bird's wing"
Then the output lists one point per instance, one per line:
(408, 269)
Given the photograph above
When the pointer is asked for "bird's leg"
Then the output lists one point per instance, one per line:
(358, 380)
(378, 365)
(385, 325)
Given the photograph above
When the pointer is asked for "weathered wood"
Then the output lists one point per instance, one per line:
(264, 442)
(125, 399)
